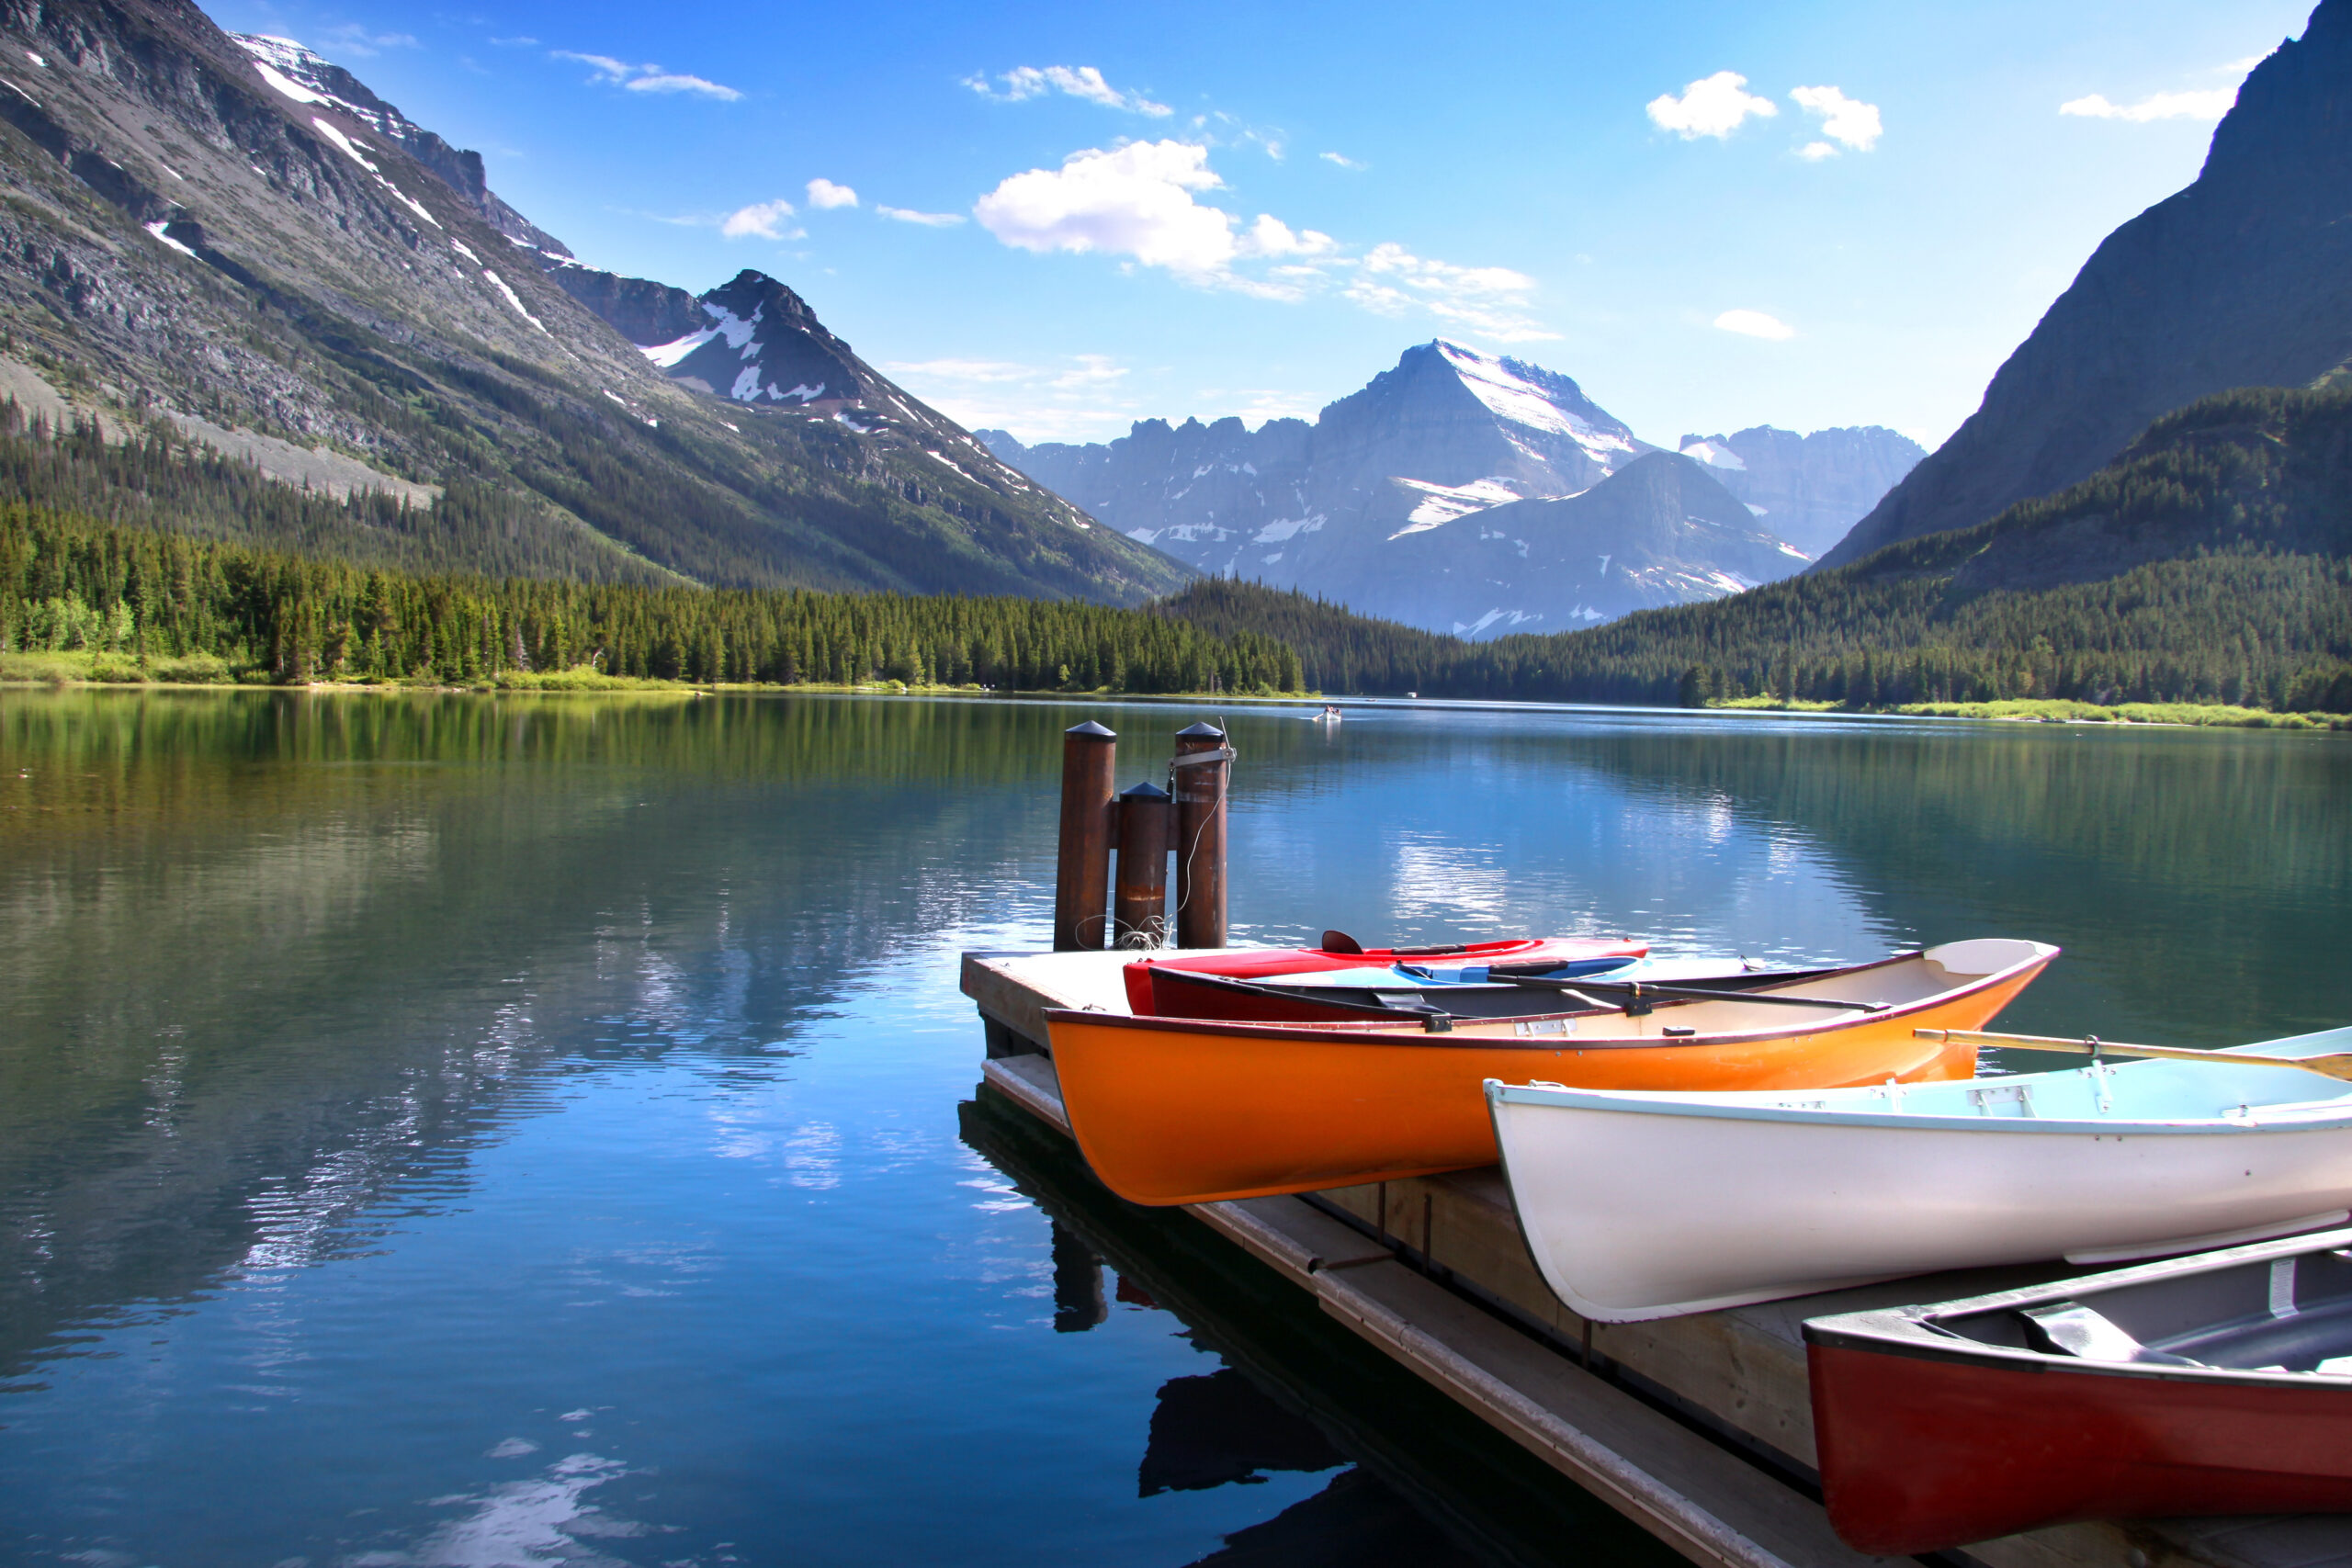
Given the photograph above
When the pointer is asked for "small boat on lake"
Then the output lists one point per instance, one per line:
(1354, 978)
(2215, 1384)
(1187, 1111)
(1639, 1205)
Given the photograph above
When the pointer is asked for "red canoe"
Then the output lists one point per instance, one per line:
(2215, 1384)
(1561, 957)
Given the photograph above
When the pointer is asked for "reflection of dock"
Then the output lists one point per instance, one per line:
(1431, 1486)
(1698, 1428)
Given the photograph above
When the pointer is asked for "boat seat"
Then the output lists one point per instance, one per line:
(2069, 1327)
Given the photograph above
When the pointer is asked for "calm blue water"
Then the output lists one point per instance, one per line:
(481, 1131)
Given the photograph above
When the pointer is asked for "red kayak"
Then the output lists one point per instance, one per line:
(2215, 1384)
(1347, 968)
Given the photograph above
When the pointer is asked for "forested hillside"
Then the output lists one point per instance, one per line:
(2211, 562)
(149, 604)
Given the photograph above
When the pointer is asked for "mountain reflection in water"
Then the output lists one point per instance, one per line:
(511, 1129)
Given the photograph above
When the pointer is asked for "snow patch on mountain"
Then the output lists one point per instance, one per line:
(515, 300)
(1714, 453)
(1444, 503)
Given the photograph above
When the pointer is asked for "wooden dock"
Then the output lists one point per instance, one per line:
(1698, 1428)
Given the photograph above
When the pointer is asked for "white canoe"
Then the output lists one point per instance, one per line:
(1641, 1205)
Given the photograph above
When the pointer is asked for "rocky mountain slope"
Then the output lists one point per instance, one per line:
(238, 243)
(1810, 490)
(1472, 494)
(1658, 531)
(2244, 278)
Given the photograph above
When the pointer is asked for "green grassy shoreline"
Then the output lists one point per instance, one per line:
(101, 670)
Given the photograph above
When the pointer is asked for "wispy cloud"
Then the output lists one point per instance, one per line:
(1085, 82)
(1714, 106)
(1756, 323)
(823, 193)
(764, 219)
(1079, 397)
(928, 220)
(1340, 158)
(646, 78)
(2207, 103)
(1847, 121)
(1491, 301)
(352, 39)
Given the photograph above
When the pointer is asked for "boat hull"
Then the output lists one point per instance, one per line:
(1638, 1208)
(1918, 1455)
(1172, 1111)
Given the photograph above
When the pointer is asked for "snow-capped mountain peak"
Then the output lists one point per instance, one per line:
(1541, 400)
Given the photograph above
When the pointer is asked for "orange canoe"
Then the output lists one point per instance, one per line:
(1189, 1111)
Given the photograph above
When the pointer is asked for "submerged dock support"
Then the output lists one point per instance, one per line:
(1082, 867)
(1202, 767)
(1139, 899)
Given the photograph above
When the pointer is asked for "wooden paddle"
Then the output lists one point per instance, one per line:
(2336, 1065)
(1638, 990)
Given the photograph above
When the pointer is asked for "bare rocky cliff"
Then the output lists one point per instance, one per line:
(2243, 279)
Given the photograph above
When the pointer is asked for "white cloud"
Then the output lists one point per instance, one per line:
(1135, 200)
(1814, 152)
(666, 82)
(1270, 236)
(606, 67)
(1488, 300)
(1846, 120)
(1081, 81)
(826, 194)
(761, 217)
(1340, 158)
(1714, 106)
(1756, 323)
(2211, 103)
(648, 78)
(928, 220)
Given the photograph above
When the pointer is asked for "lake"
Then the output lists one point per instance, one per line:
(461, 1130)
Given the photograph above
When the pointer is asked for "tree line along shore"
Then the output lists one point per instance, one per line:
(148, 560)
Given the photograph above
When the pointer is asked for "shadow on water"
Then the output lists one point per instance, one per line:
(1428, 1483)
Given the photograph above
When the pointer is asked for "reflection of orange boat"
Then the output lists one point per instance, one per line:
(1187, 1110)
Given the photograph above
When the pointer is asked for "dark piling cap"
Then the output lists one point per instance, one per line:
(1091, 731)
(1144, 790)
(1201, 731)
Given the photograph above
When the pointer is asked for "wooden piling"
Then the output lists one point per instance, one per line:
(1202, 769)
(1139, 896)
(1082, 867)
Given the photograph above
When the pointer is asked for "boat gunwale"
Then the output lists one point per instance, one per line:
(1906, 1331)
(1703, 1104)
(1458, 1038)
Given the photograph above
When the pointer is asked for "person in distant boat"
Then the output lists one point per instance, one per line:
(1330, 713)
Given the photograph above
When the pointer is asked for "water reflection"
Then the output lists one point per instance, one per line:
(477, 1028)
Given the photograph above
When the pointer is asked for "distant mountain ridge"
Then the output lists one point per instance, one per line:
(238, 241)
(2241, 279)
(1810, 490)
(1465, 492)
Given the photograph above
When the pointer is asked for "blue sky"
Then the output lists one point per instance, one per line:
(1068, 218)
